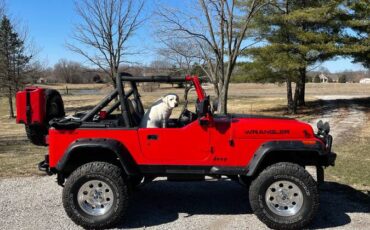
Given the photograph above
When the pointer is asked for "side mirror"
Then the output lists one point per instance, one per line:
(203, 107)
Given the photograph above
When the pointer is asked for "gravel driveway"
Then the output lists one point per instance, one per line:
(35, 203)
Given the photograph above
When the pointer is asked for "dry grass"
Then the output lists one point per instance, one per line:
(352, 164)
(18, 157)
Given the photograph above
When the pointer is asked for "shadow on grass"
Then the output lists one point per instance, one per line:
(325, 106)
(161, 202)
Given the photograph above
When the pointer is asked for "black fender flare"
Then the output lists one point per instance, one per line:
(123, 155)
(281, 146)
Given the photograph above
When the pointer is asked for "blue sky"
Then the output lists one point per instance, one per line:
(50, 24)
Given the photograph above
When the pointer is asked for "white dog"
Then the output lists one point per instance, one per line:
(159, 113)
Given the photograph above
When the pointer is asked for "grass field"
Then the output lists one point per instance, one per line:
(19, 158)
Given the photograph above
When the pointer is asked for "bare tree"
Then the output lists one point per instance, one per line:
(68, 71)
(158, 67)
(106, 27)
(219, 29)
(181, 53)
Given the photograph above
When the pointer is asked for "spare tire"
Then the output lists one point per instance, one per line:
(36, 134)
(54, 108)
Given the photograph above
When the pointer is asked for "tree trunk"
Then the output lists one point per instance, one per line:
(302, 87)
(215, 88)
(222, 103)
(292, 99)
(11, 110)
(295, 98)
(289, 95)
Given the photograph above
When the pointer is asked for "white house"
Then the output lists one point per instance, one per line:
(365, 81)
(323, 78)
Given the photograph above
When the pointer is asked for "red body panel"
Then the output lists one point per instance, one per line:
(37, 105)
(223, 142)
(59, 140)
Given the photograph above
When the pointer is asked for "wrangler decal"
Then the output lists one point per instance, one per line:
(267, 131)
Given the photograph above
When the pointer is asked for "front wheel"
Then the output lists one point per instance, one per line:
(95, 195)
(284, 196)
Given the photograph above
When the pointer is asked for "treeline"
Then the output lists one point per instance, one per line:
(278, 40)
(66, 71)
(346, 76)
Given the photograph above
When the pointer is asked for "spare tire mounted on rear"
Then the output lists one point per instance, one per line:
(54, 108)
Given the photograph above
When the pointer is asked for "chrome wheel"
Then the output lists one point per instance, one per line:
(95, 197)
(284, 198)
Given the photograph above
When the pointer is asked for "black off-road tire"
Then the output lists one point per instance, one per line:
(54, 105)
(109, 174)
(284, 171)
(36, 134)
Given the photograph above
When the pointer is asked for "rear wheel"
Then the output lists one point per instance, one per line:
(96, 195)
(284, 196)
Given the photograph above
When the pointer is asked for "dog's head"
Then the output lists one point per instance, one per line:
(171, 100)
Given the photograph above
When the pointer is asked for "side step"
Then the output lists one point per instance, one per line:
(184, 177)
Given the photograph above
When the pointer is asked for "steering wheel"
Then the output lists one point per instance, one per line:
(186, 116)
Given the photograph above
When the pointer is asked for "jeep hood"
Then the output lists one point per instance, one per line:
(268, 127)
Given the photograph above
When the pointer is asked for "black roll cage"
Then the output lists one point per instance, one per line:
(119, 92)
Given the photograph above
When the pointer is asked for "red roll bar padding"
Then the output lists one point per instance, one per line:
(200, 92)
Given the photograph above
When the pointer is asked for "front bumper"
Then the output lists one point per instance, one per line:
(328, 159)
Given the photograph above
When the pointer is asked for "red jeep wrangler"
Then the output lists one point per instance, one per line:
(100, 154)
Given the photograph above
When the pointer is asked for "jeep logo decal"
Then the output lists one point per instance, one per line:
(267, 131)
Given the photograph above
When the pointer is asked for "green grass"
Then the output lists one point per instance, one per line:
(353, 160)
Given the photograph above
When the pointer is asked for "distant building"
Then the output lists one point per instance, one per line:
(323, 78)
(41, 80)
(365, 81)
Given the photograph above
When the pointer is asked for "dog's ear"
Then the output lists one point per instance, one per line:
(165, 100)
